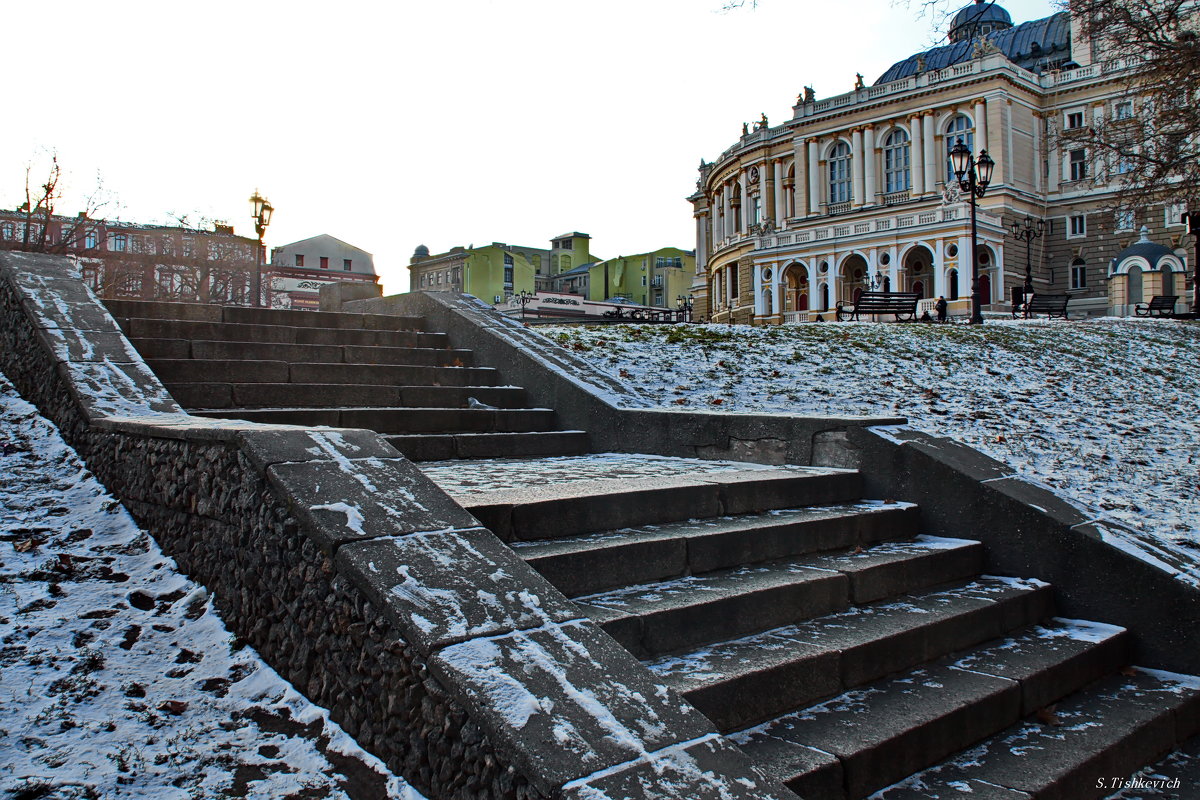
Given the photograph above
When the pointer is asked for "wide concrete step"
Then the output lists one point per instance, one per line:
(377, 405)
(593, 562)
(555, 510)
(203, 312)
(189, 370)
(867, 738)
(447, 446)
(744, 681)
(139, 328)
(401, 420)
(665, 616)
(1077, 749)
(152, 349)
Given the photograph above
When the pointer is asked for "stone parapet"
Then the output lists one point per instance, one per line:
(360, 581)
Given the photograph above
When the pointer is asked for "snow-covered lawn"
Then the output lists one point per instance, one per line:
(1104, 412)
(117, 678)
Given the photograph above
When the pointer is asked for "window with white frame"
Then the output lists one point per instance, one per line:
(118, 242)
(1077, 225)
(896, 155)
(755, 210)
(839, 174)
(90, 239)
(1078, 274)
(1124, 165)
(1074, 119)
(1125, 219)
(8, 231)
(1123, 109)
(959, 128)
(1078, 164)
(1173, 213)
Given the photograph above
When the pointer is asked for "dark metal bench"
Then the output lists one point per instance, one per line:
(1052, 305)
(902, 304)
(1161, 305)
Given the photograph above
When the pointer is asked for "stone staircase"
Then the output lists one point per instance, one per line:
(846, 653)
(383, 373)
(838, 647)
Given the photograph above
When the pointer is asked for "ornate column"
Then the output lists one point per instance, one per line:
(759, 300)
(931, 159)
(916, 145)
(743, 211)
(856, 167)
(1037, 151)
(814, 177)
(726, 226)
(701, 243)
(981, 130)
(780, 210)
(871, 188)
(776, 288)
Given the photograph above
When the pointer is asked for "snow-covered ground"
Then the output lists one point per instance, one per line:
(1103, 412)
(117, 678)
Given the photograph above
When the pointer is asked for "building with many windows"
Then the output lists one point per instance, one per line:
(497, 271)
(142, 262)
(855, 191)
(658, 278)
(300, 269)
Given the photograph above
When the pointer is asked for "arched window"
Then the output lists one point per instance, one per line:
(839, 174)
(896, 162)
(1168, 280)
(1079, 274)
(959, 128)
(824, 297)
(952, 283)
(1135, 285)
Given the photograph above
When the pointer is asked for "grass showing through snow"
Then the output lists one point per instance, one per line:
(1104, 412)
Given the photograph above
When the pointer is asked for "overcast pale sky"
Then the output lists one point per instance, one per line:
(393, 124)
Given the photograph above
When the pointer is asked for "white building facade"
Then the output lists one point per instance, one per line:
(855, 192)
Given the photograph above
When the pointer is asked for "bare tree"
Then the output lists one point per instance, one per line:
(42, 195)
(1149, 144)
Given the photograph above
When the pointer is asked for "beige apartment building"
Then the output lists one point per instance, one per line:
(855, 191)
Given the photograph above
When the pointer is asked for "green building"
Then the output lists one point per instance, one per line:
(497, 271)
(658, 278)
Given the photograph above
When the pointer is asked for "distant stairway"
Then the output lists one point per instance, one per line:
(842, 650)
(384, 373)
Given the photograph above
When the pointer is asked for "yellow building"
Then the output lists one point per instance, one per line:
(855, 191)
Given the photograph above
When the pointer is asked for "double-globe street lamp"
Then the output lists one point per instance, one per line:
(973, 176)
(1029, 229)
(262, 218)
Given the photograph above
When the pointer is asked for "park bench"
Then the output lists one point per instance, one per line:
(1052, 305)
(1161, 305)
(902, 304)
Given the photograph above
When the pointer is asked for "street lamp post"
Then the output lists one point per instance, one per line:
(973, 176)
(1192, 218)
(1029, 229)
(262, 210)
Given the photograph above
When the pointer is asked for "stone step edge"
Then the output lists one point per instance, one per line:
(676, 543)
(955, 627)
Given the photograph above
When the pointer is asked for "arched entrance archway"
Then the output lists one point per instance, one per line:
(916, 271)
(796, 287)
(855, 275)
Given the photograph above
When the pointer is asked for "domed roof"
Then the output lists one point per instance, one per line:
(978, 18)
(421, 251)
(1144, 248)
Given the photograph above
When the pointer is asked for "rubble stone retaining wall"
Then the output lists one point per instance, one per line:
(361, 582)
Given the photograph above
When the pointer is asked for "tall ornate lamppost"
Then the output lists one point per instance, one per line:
(973, 175)
(262, 210)
(1029, 229)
